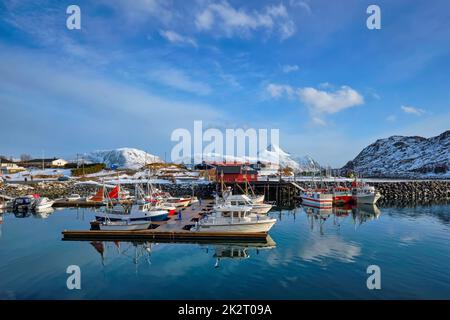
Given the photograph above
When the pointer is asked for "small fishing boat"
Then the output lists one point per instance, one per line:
(317, 198)
(228, 218)
(365, 194)
(134, 212)
(243, 200)
(178, 201)
(342, 195)
(42, 203)
(120, 225)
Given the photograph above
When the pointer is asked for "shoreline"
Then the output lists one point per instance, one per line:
(411, 190)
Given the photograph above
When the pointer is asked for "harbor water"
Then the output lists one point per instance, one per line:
(309, 255)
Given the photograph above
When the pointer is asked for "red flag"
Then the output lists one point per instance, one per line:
(114, 193)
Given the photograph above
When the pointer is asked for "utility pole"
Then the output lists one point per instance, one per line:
(43, 166)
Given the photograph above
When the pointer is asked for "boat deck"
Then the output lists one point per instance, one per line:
(170, 230)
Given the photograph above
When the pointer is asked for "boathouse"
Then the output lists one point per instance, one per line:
(235, 172)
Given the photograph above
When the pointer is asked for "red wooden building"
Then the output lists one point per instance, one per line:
(235, 172)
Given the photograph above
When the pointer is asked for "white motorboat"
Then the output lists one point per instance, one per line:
(135, 212)
(121, 225)
(365, 194)
(317, 199)
(74, 197)
(42, 203)
(228, 218)
(243, 200)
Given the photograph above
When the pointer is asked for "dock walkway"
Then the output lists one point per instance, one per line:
(170, 230)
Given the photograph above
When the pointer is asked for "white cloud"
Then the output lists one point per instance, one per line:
(279, 90)
(391, 118)
(412, 110)
(290, 68)
(179, 80)
(318, 249)
(321, 101)
(301, 4)
(222, 18)
(92, 104)
(319, 121)
(174, 37)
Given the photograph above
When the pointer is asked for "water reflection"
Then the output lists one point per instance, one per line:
(237, 251)
(136, 252)
(359, 215)
(140, 251)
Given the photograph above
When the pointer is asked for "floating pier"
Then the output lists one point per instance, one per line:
(171, 230)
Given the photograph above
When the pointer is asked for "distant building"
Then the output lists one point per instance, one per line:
(235, 172)
(51, 162)
(266, 168)
(9, 167)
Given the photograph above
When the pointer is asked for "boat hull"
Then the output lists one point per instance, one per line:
(317, 203)
(118, 226)
(44, 206)
(342, 199)
(368, 198)
(157, 215)
(260, 226)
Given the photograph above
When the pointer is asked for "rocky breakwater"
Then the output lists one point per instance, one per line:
(52, 190)
(402, 190)
(204, 191)
(414, 190)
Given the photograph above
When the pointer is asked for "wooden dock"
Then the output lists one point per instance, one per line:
(172, 230)
(80, 204)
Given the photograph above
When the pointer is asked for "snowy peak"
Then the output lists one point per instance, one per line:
(276, 150)
(400, 156)
(126, 158)
(275, 154)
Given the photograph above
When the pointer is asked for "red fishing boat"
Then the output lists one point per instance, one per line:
(342, 195)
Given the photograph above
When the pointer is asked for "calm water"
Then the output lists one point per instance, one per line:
(310, 256)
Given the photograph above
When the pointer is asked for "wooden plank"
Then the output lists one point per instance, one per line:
(179, 236)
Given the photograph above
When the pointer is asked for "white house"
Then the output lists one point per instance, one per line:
(59, 162)
(10, 167)
(51, 162)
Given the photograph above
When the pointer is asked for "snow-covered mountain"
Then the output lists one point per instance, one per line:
(400, 156)
(273, 154)
(127, 158)
(299, 164)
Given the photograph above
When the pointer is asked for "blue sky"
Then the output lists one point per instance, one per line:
(139, 69)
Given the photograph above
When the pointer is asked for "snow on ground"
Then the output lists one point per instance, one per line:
(21, 176)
